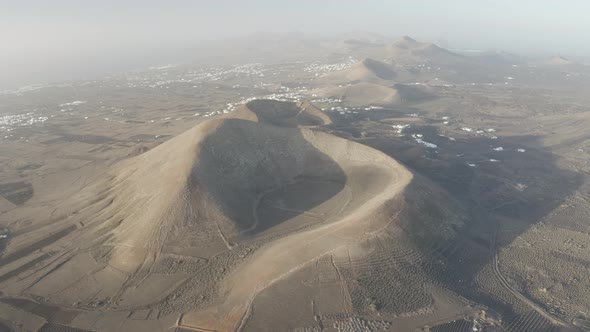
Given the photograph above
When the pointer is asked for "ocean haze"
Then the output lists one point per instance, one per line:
(48, 41)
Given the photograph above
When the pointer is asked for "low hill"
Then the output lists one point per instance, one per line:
(361, 94)
(408, 51)
(367, 70)
(557, 60)
(500, 58)
(371, 94)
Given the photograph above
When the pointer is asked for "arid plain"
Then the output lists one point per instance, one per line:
(372, 185)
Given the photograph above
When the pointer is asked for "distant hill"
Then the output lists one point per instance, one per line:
(362, 94)
(283, 114)
(362, 39)
(367, 70)
(408, 51)
(500, 57)
(557, 60)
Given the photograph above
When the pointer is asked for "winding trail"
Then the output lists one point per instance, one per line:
(280, 258)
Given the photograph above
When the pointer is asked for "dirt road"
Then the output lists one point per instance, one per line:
(280, 258)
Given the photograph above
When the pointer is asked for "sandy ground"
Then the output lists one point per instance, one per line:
(154, 201)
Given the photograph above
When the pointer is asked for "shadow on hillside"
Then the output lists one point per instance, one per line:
(511, 185)
(246, 165)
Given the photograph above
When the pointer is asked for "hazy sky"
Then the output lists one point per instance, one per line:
(57, 39)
